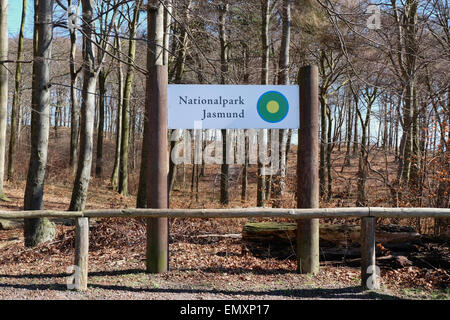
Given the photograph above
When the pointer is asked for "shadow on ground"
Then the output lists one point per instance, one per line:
(351, 292)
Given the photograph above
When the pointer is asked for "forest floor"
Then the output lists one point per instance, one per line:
(202, 266)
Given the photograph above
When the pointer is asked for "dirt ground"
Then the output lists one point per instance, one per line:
(203, 274)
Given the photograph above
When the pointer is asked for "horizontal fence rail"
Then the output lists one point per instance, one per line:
(370, 278)
(358, 212)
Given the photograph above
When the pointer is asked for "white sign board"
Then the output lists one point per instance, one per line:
(233, 106)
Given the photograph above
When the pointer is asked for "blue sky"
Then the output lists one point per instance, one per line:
(15, 15)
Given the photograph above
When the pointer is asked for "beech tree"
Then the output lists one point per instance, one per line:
(115, 173)
(125, 127)
(3, 89)
(224, 177)
(39, 230)
(265, 17)
(15, 108)
(91, 69)
(283, 79)
(74, 106)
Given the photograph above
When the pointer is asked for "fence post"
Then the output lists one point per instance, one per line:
(369, 271)
(82, 250)
(307, 170)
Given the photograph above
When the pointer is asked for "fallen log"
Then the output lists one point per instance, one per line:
(10, 224)
(274, 232)
(337, 234)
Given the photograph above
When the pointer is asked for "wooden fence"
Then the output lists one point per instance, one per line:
(369, 278)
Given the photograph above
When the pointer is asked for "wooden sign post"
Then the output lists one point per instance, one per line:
(157, 157)
(157, 164)
(307, 170)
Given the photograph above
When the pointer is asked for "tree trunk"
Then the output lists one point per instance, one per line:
(224, 197)
(246, 61)
(245, 168)
(223, 11)
(3, 89)
(123, 171)
(323, 138)
(362, 174)
(83, 173)
(101, 122)
(141, 199)
(74, 112)
(288, 144)
(197, 134)
(58, 111)
(180, 62)
(265, 17)
(167, 26)
(407, 58)
(132, 141)
(15, 109)
(350, 117)
(283, 79)
(39, 230)
(172, 165)
(355, 131)
(115, 173)
(329, 149)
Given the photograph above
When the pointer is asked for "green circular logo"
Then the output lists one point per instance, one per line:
(272, 106)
